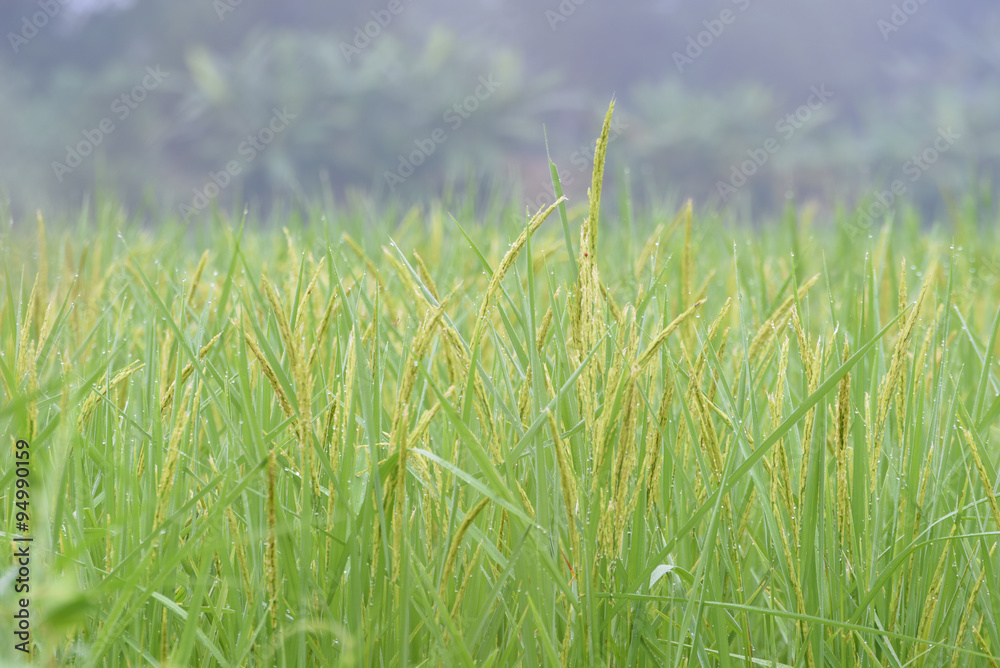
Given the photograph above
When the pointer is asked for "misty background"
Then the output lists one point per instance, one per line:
(193, 104)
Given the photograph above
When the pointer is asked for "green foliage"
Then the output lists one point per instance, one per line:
(385, 439)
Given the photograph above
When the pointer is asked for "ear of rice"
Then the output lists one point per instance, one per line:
(21, 358)
(664, 335)
(967, 613)
(425, 276)
(31, 403)
(894, 376)
(186, 372)
(196, 278)
(841, 434)
(588, 238)
(168, 474)
(268, 371)
(271, 546)
(329, 314)
(934, 592)
(90, 403)
(652, 464)
(505, 264)
(301, 310)
(456, 542)
(395, 485)
(777, 319)
(984, 476)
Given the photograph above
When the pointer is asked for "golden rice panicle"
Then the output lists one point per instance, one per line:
(652, 464)
(469, 572)
(651, 246)
(567, 485)
(196, 278)
(967, 613)
(463, 528)
(841, 434)
(590, 326)
(505, 264)
(350, 374)
(21, 360)
(90, 403)
(902, 286)
(811, 363)
(586, 288)
(890, 383)
(301, 310)
(302, 375)
(588, 234)
(167, 476)
(47, 320)
(777, 318)
(271, 546)
(268, 371)
(660, 236)
(603, 424)
(329, 314)
(528, 508)
(984, 476)
(186, 372)
(31, 407)
(781, 477)
(933, 595)
(364, 258)
(616, 313)
(626, 463)
(647, 356)
(395, 485)
(425, 276)
(284, 326)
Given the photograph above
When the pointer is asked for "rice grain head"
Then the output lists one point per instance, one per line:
(271, 546)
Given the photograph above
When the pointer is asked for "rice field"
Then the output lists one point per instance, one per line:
(584, 436)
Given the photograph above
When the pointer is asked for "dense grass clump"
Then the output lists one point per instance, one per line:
(663, 442)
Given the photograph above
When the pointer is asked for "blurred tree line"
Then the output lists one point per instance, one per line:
(175, 103)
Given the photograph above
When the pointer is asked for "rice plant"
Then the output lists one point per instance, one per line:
(390, 438)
